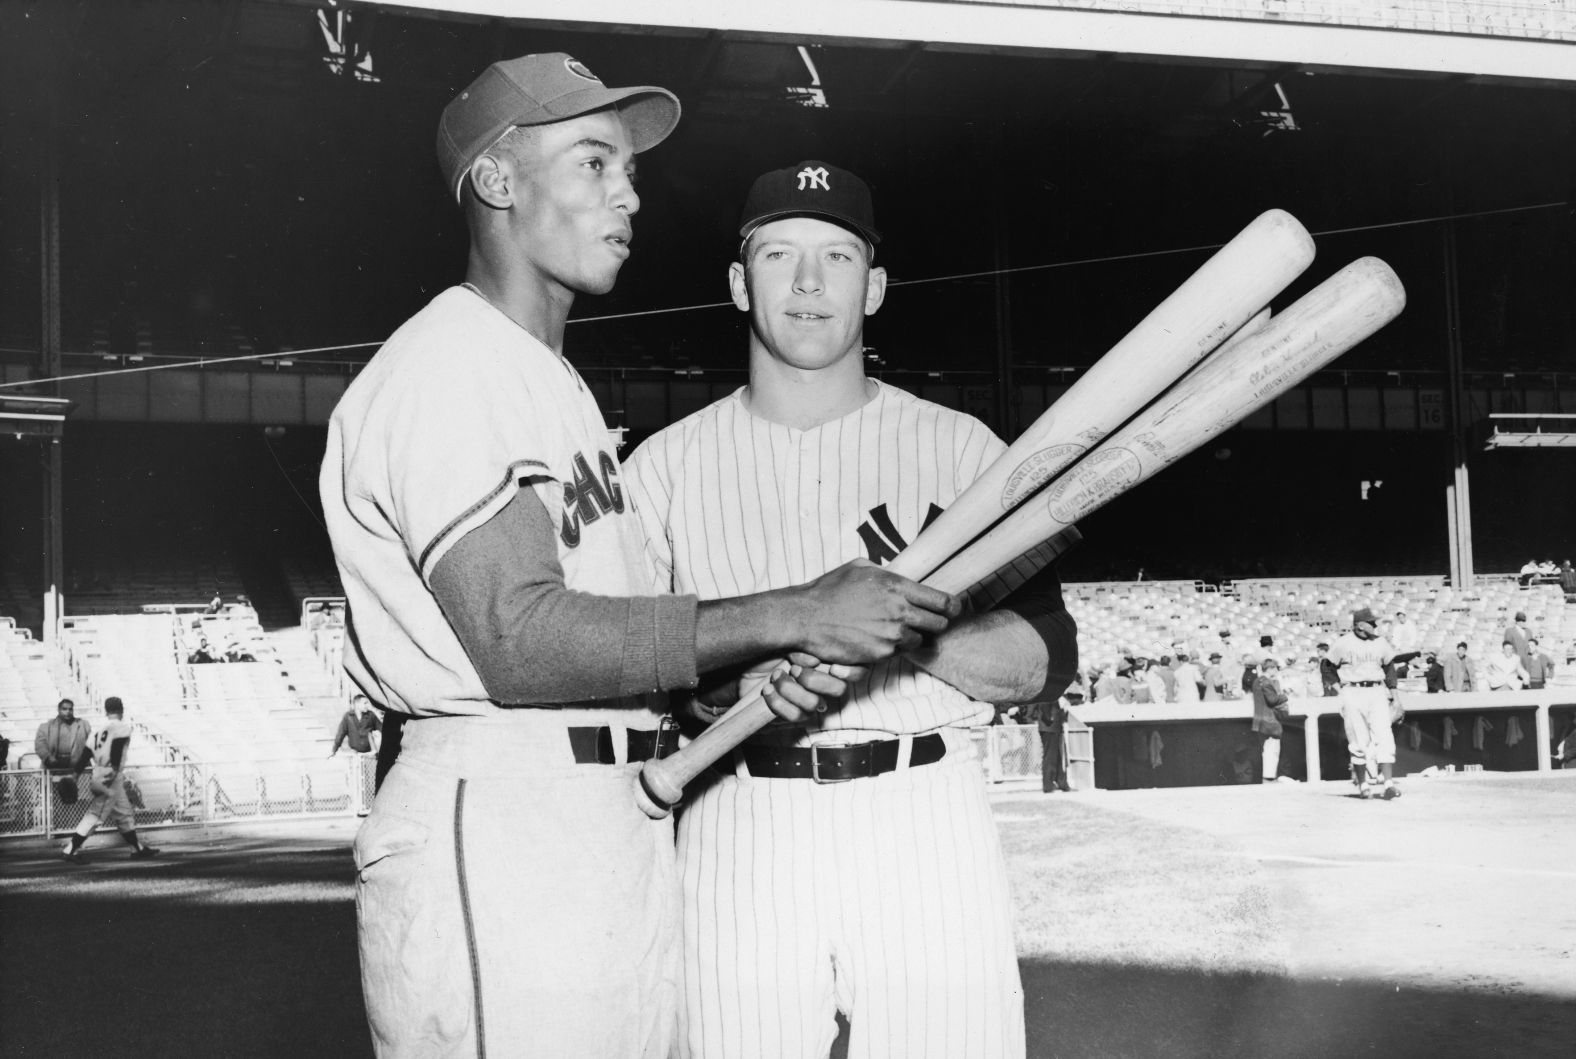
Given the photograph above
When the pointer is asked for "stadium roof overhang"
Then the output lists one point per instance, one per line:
(1530, 431)
(1526, 42)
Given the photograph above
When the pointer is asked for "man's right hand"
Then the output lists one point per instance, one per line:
(860, 613)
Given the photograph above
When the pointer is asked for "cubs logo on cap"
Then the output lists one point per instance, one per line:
(811, 189)
(580, 69)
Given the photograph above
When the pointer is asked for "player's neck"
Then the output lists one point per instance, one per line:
(538, 306)
(804, 399)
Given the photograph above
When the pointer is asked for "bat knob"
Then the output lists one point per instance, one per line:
(652, 803)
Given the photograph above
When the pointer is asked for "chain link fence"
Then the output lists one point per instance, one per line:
(191, 792)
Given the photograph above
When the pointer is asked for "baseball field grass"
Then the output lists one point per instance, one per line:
(1286, 921)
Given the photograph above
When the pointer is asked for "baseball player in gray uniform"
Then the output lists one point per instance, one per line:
(1361, 656)
(848, 862)
(107, 785)
(511, 899)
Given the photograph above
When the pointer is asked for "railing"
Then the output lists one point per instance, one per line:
(182, 792)
(322, 605)
(191, 793)
(1090, 589)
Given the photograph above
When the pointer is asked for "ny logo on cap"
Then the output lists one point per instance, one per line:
(816, 178)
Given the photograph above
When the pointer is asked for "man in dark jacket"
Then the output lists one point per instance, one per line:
(1050, 717)
(357, 726)
(1269, 711)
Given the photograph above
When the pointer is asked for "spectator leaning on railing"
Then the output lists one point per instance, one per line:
(1504, 671)
(1540, 667)
(1459, 670)
(62, 748)
(359, 726)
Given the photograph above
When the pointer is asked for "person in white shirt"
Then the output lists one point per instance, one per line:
(1404, 636)
(1190, 680)
(1504, 671)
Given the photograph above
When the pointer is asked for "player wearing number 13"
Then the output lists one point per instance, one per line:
(883, 897)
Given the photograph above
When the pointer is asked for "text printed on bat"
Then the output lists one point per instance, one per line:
(1037, 469)
(1102, 475)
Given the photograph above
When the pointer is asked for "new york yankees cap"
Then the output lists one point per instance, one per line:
(811, 189)
(539, 90)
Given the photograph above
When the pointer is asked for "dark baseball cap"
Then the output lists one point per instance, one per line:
(811, 189)
(539, 90)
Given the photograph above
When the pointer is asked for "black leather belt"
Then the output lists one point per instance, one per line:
(836, 763)
(594, 746)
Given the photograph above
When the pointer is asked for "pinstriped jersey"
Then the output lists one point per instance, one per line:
(734, 504)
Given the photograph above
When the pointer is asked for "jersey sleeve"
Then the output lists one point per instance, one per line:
(454, 462)
(650, 491)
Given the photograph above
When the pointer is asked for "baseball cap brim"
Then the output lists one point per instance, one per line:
(870, 235)
(650, 114)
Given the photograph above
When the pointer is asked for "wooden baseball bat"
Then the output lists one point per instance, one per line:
(1212, 304)
(1218, 301)
(1244, 376)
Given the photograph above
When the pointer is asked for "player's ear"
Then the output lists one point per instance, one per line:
(492, 181)
(738, 287)
(875, 290)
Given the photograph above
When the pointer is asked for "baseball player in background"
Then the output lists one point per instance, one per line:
(107, 784)
(1361, 656)
(848, 862)
(511, 898)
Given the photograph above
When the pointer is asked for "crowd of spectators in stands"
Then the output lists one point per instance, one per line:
(1534, 572)
(204, 653)
(1173, 675)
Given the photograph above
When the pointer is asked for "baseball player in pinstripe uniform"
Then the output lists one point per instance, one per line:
(848, 862)
(511, 898)
(1361, 656)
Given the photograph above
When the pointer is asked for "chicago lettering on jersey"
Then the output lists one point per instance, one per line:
(590, 495)
(882, 540)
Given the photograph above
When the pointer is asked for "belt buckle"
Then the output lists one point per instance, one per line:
(667, 738)
(815, 762)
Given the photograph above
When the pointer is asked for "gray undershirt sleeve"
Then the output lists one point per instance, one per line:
(534, 641)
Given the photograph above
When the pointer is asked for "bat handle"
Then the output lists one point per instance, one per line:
(661, 781)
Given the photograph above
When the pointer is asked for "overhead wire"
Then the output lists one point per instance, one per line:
(296, 354)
